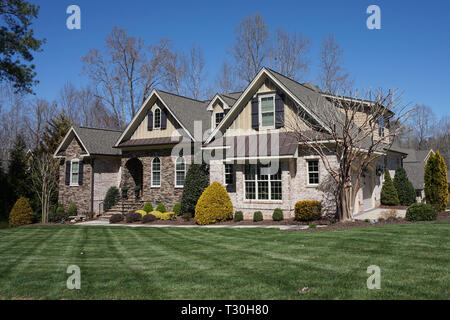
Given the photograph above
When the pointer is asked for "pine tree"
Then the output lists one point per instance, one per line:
(405, 189)
(389, 194)
(197, 179)
(436, 185)
(54, 132)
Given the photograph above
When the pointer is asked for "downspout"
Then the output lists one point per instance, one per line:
(92, 185)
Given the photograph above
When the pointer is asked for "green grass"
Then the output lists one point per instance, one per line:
(194, 263)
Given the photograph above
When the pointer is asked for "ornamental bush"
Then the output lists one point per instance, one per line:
(308, 210)
(405, 189)
(60, 214)
(196, 181)
(148, 218)
(161, 207)
(115, 218)
(148, 207)
(277, 215)
(435, 178)
(133, 217)
(142, 212)
(213, 205)
(164, 215)
(238, 216)
(258, 216)
(389, 196)
(21, 213)
(421, 212)
(72, 209)
(111, 198)
(177, 208)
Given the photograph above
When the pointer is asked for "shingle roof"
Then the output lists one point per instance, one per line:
(150, 141)
(414, 165)
(99, 141)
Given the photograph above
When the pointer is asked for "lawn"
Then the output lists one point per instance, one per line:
(194, 263)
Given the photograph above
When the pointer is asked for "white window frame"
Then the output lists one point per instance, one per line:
(184, 171)
(74, 184)
(308, 172)
(153, 185)
(225, 173)
(260, 97)
(269, 181)
(215, 118)
(154, 119)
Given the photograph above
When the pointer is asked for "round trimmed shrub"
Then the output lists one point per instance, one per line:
(116, 218)
(277, 214)
(238, 216)
(308, 210)
(213, 205)
(111, 198)
(72, 209)
(148, 218)
(421, 212)
(389, 195)
(161, 207)
(196, 181)
(177, 208)
(258, 216)
(133, 217)
(21, 213)
(148, 207)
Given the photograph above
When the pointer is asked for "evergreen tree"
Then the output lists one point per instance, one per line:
(405, 189)
(389, 195)
(436, 185)
(197, 179)
(54, 132)
(4, 196)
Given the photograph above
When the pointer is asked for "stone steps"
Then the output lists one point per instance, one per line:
(128, 205)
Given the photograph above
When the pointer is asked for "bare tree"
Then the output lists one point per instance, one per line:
(332, 76)
(422, 121)
(348, 138)
(196, 74)
(251, 48)
(288, 55)
(176, 70)
(39, 113)
(226, 79)
(69, 102)
(44, 172)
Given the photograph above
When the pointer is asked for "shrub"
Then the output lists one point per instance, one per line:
(277, 215)
(308, 210)
(61, 214)
(366, 220)
(405, 189)
(421, 212)
(238, 216)
(312, 225)
(115, 218)
(213, 205)
(161, 207)
(142, 212)
(435, 178)
(257, 216)
(177, 208)
(148, 218)
(72, 209)
(133, 217)
(389, 194)
(390, 214)
(21, 213)
(111, 198)
(196, 181)
(147, 207)
(380, 219)
(168, 216)
(187, 216)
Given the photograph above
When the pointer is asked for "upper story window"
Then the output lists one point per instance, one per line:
(219, 117)
(180, 172)
(156, 172)
(157, 119)
(381, 126)
(74, 172)
(267, 111)
(313, 172)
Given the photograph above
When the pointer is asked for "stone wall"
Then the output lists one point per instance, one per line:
(106, 175)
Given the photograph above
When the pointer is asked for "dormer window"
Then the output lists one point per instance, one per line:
(157, 119)
(267, 111)
(219, 117)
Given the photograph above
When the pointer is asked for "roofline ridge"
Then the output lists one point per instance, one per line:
(177, 95)
(94, 128)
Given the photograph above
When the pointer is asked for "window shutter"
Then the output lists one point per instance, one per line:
(255, 114)
(80, 172)
(67, 173)
(163, 119)
(279, 111)
(150, 120)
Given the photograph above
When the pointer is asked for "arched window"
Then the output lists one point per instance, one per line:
(157, 119)
(180, 172)
(156, 172)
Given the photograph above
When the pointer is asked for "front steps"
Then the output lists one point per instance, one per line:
(128, 205)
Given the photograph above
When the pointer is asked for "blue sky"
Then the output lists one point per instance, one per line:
(411, 52)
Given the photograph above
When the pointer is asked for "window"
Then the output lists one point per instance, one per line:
(157, 119)
(262, 186)
(74, 172)
(180, 171)
(219, 117)
(156, 172)
(267, 112)
(313, 172)
(229, 173)
(381, 127)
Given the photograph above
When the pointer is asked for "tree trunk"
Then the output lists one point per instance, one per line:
(343, 203)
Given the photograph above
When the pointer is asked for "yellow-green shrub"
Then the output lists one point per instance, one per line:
(308, 210)
(142, 212)
(164, 215)
(21, 213)
(213, 205)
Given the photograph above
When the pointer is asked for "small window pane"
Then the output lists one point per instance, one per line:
(180, 171)
(267, 104)
(250, 190)
(267, 119)
(157, 118)
(229, 173)
(313, 172)
(219, 117)
(156, 172)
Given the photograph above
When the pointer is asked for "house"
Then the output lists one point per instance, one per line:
(238, 134)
